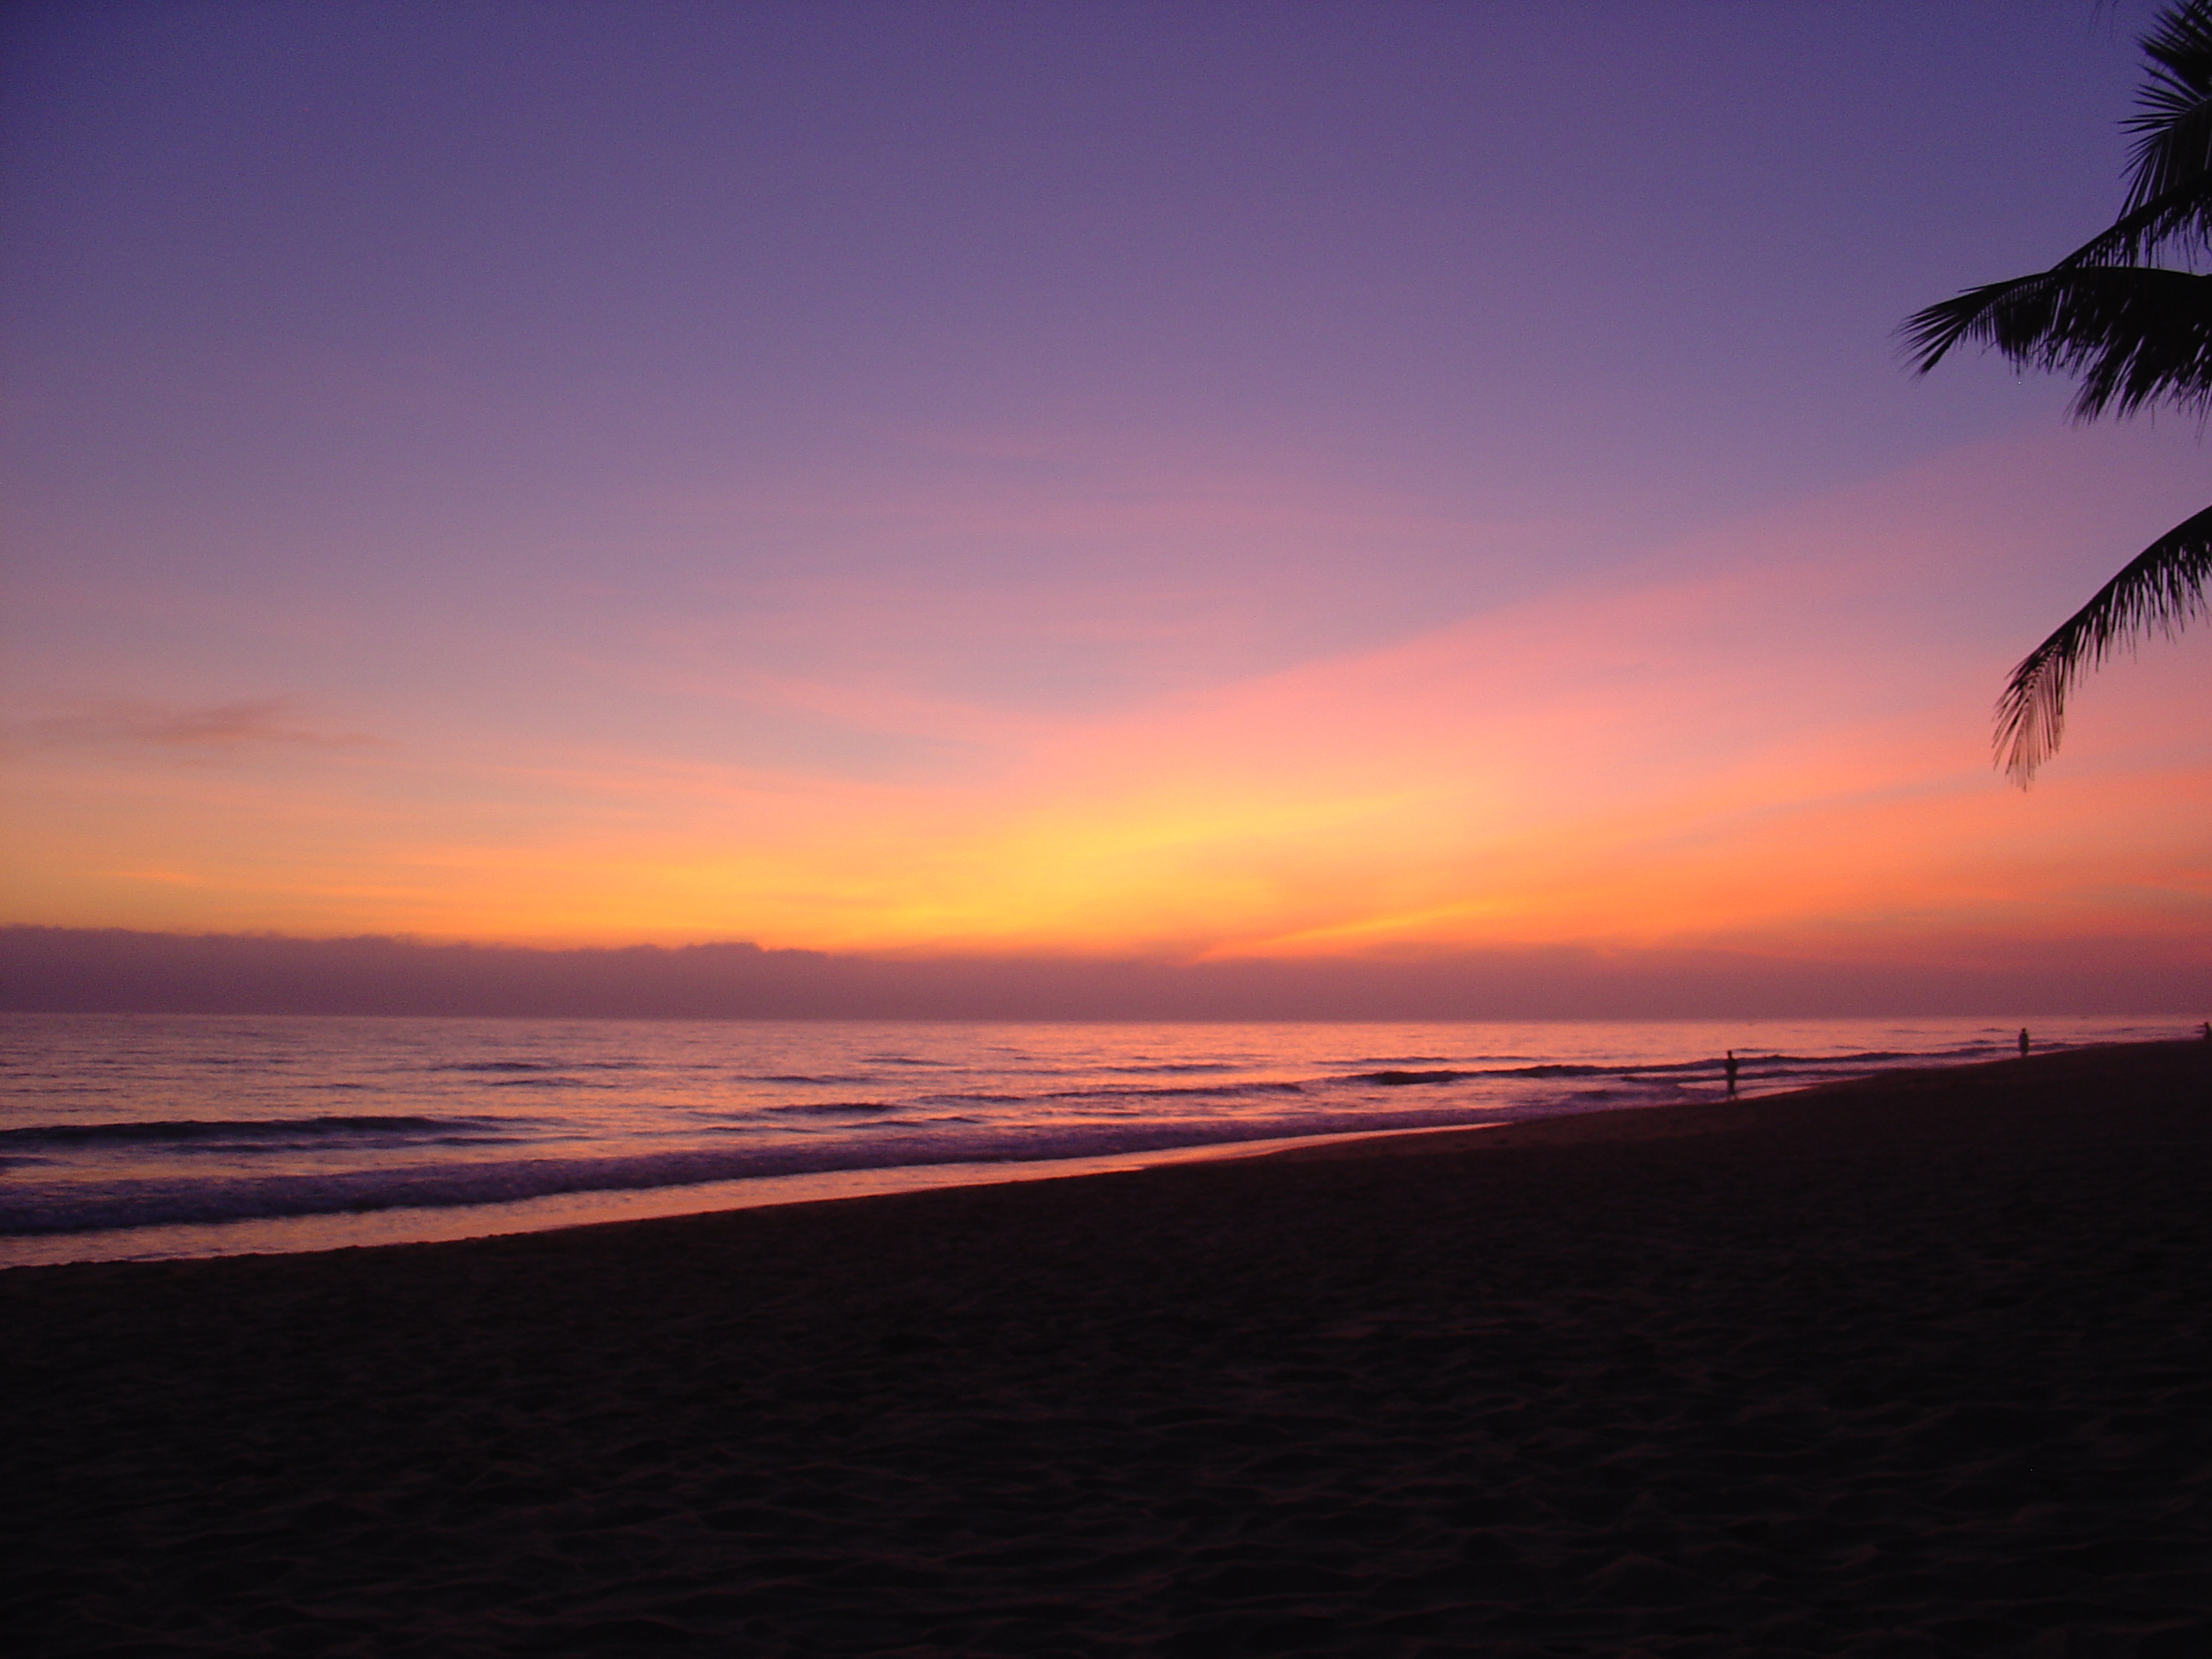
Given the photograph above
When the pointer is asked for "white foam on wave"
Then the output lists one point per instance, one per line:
(299, 1234)
(32, 1208)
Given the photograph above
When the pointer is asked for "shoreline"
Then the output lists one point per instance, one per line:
(386, 1225)
(1913, 1363)
(399, 1225)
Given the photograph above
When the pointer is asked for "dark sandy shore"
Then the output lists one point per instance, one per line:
(1920, 1366)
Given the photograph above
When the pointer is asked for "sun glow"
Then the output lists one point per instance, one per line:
(1699, 755)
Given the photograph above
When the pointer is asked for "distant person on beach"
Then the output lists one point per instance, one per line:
(2023, 1043)
(1731, 1071)
(2208, 1030)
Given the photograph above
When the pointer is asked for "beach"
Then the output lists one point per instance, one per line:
(1916, 1364)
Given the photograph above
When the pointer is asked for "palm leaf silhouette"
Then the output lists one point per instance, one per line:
(2133, 335)
(2161, 588)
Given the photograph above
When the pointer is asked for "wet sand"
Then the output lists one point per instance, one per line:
(1914, 1365)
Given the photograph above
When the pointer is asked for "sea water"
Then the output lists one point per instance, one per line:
(135, 1137)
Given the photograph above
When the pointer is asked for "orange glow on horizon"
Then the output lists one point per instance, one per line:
(1771, 740)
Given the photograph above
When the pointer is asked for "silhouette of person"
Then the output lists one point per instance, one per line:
(2208, 1030)
(1731, 1071)
(2023, 1043)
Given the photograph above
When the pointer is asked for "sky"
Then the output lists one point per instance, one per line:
(1193, 482)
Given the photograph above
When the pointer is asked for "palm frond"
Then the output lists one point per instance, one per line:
(2133, 335)
(2161, 589)
(2181, 216)
(2173, 142)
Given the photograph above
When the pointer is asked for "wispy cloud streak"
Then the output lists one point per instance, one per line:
(202, 729)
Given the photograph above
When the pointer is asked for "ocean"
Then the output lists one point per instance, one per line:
(146, 1137)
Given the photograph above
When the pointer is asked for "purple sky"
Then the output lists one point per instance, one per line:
(419, 415)
(313, 304)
